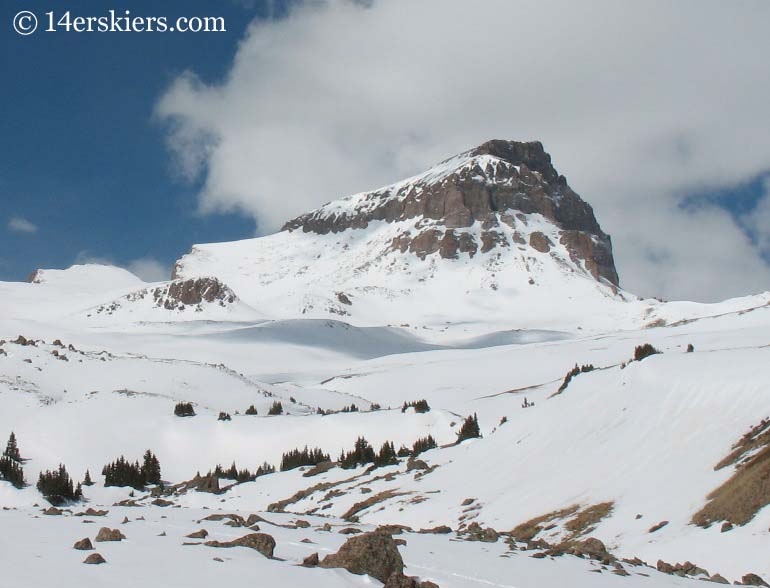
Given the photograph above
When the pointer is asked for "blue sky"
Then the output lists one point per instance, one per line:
(81, 158)
(128, 147)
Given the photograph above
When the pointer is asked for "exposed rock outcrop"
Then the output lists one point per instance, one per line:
(375, 554)
(490, 185)
(261, 542)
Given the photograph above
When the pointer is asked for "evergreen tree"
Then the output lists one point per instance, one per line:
(252, 411)
(10, 464)
(87, 480)
(469, 430)
(362, 454)
(57, 486)
(642, 351)
(11, 471)
(305, 457)
(184, 409)
(420, 406)
(275, 409)
(151, 468)
(12, 449)
(387, 455)
(423, 444)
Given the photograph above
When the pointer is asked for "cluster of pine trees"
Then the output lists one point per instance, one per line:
(574, 372)
(417, 405)
(57, 486)
(423, 444)
(304, 457)
(642, 351)
(241, 475)
(363, 453)
(469, 430)
(11, 463)
(275, 409)
(351, 408)
(184, 409)
(122, 472)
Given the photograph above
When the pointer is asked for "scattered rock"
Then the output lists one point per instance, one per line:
(719, 579)
(321, 468)
(375, 554)
(592, 548)
(416, 464)
(90, 512)
(394, 529)
(350, 531)
(200, 534)
(310, 561)
(94, 558)
(300, 524)
(53, 511)
(753, 580)
(726, 526)
(658, 527)
(219, 559)
(83, 545)
(106, 534)
(440, 530)
(476, 532)
(402, 581)
(261, 542)
(467, 502)
(161, 502)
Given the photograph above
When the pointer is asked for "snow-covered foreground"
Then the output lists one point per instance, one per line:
(37, 551)
(623, 449)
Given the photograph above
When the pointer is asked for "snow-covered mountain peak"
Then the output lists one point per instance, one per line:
(498, 184)
(496, 225)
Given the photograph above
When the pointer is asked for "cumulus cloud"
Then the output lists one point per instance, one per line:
(640, 104)
(18, 224)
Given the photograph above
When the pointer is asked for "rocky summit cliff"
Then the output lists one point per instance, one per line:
(487, 186)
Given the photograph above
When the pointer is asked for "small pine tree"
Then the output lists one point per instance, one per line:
(690, 348)
(275, 409)
(469, 430)
(184, 409)
(12, 449)
(251, 411)
(151, 468)
(87, 479)
(387, 455)
(642, 351)
(224, 416)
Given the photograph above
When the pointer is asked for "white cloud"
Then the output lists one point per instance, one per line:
(149, 269)
(19, 224)
(638, 103)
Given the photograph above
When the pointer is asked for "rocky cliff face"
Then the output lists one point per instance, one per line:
(499, 182)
